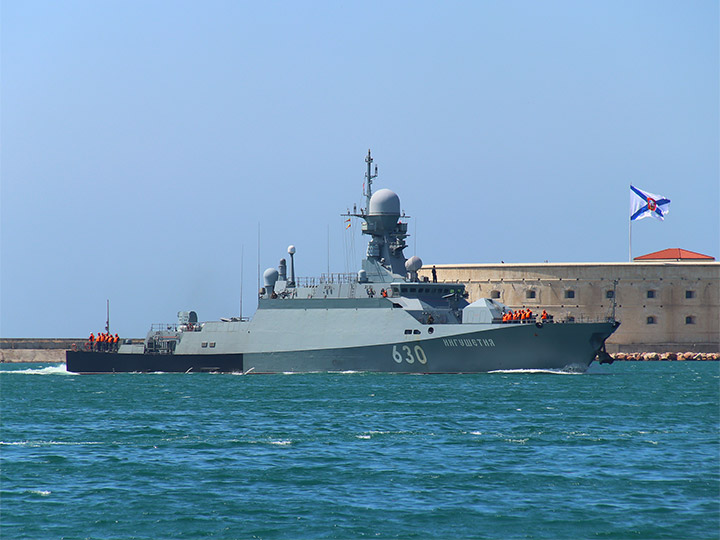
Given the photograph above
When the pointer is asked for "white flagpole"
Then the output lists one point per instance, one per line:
(630, 241)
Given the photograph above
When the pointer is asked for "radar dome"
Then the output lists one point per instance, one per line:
(385, 208)
(384, 201)
(270, 276)
(413, 264)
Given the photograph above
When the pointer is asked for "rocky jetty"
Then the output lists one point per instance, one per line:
(667, 356)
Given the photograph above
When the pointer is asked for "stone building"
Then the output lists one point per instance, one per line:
(667, 301)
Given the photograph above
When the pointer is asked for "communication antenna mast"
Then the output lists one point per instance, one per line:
(242, 266)
(107, 321)
(369, 176)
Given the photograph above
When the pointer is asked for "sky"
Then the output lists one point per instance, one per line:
(156, 154)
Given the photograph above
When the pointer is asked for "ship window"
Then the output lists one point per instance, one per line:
(412, 289)
(396, 290)
(431, 330)
(570, 294)
(416, 331)
(689, 319)
(571, 319)
(396, 305)
(203, 344)
(609, 294)
(212, 344)
(651, 320)
(651, 294)
(689, 294)
(403, 289)
(495, 294)
(408, 331)
(530, 294)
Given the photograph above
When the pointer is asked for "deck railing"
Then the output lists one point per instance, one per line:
(325, 279)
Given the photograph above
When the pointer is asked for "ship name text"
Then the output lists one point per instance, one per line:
(468, 342)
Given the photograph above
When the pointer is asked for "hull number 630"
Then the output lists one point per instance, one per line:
(409, 355)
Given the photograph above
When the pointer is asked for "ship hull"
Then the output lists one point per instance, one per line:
(536, 347)
(113, 362)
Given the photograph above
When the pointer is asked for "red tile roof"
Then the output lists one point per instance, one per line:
(674, 254)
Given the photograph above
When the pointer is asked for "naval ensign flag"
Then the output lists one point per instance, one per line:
(645, 204)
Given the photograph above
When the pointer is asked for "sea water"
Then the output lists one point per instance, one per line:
(624, 451)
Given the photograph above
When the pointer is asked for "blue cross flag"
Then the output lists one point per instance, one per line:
(645, 204)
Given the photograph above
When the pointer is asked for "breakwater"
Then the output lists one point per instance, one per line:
(666, 356)
(38, 350)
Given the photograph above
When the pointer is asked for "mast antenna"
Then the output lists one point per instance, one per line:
(242, 266)
(369, 176)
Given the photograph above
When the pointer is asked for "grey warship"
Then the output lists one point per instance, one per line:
(384, 318)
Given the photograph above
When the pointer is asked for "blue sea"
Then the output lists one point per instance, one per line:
(630, 450)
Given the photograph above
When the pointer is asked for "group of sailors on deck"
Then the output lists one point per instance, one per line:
(524, 315)
(104, 342)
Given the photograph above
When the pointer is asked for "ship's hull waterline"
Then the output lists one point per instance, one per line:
(570, 346)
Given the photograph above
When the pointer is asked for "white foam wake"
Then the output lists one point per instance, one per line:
(57, 369)
(551, 371)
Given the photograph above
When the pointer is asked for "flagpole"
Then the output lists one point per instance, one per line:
(630, 240)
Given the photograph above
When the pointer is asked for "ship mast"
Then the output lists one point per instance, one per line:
(369, 176)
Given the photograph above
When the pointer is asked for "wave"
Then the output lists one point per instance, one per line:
(57, 369)
(551, 371)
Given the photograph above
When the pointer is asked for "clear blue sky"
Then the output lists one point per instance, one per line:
(144, 143)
